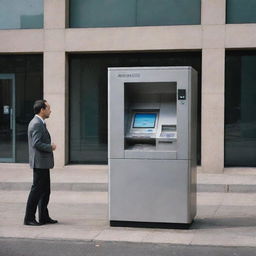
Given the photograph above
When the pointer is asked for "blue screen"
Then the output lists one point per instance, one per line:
(144, 120)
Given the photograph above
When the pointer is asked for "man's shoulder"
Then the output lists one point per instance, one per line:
(35, 122)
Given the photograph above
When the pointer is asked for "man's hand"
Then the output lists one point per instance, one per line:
(53, 146)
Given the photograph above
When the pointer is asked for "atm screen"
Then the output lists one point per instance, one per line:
(144, 120)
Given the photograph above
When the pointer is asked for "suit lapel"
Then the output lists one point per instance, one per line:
(44, 126)
(46, 130)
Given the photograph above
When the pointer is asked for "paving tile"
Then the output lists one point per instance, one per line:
(173, 237)
(123, 234)
(225, 237)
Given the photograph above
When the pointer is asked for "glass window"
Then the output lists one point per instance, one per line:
(15, 14)
(123, 13)
(240, 108)
(241, 11)
(88, 98)
(28, 72)
(168, 12)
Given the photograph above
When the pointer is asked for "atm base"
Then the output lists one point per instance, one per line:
(136, 224)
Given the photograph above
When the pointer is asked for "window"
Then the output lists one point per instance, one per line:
(88, 98)
(15, 14)
(123, 13)
(240, 108)
(27, 71)
(241, 11)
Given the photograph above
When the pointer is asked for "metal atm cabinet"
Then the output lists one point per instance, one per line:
(152, 146)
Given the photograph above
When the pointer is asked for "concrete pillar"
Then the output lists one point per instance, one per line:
(213, 84)
(55, 94)
(55, 75)
(213, 12)
(213, 110)
(55, 14)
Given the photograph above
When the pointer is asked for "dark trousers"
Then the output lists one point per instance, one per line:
(39, 195)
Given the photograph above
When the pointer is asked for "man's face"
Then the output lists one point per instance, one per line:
(47, 111)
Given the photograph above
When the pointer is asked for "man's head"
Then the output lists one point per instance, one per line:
(42, 108)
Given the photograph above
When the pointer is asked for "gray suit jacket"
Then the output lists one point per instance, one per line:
(39, 143)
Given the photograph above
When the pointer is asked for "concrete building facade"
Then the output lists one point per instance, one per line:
(56, 41)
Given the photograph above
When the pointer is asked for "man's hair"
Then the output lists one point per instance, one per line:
(38, 105)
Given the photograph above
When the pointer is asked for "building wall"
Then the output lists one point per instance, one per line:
(213, 36)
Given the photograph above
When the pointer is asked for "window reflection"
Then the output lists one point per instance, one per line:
(28, 71)
(15, 14)
(241, 11)
(123, 13)
(240, 107)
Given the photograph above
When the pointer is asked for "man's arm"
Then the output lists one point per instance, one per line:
(36, 137)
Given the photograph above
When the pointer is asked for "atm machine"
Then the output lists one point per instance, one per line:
(152, 146)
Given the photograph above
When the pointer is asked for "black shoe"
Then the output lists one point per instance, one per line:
(31, 223)
(48, 221)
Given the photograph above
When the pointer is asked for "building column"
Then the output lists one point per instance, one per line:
(213, 83)
(213, 110)
(55, 76)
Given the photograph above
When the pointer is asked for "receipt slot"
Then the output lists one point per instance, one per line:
(152, 146)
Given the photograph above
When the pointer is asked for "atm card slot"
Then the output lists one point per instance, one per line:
(165, 142)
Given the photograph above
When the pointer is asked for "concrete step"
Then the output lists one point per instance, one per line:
(18, 177)
(237, 180)
(70, 178)
(103, 187)
(67, 186)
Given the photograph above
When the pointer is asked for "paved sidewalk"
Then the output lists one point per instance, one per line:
(223, 218)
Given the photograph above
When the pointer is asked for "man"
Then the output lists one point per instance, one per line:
(41, 160)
